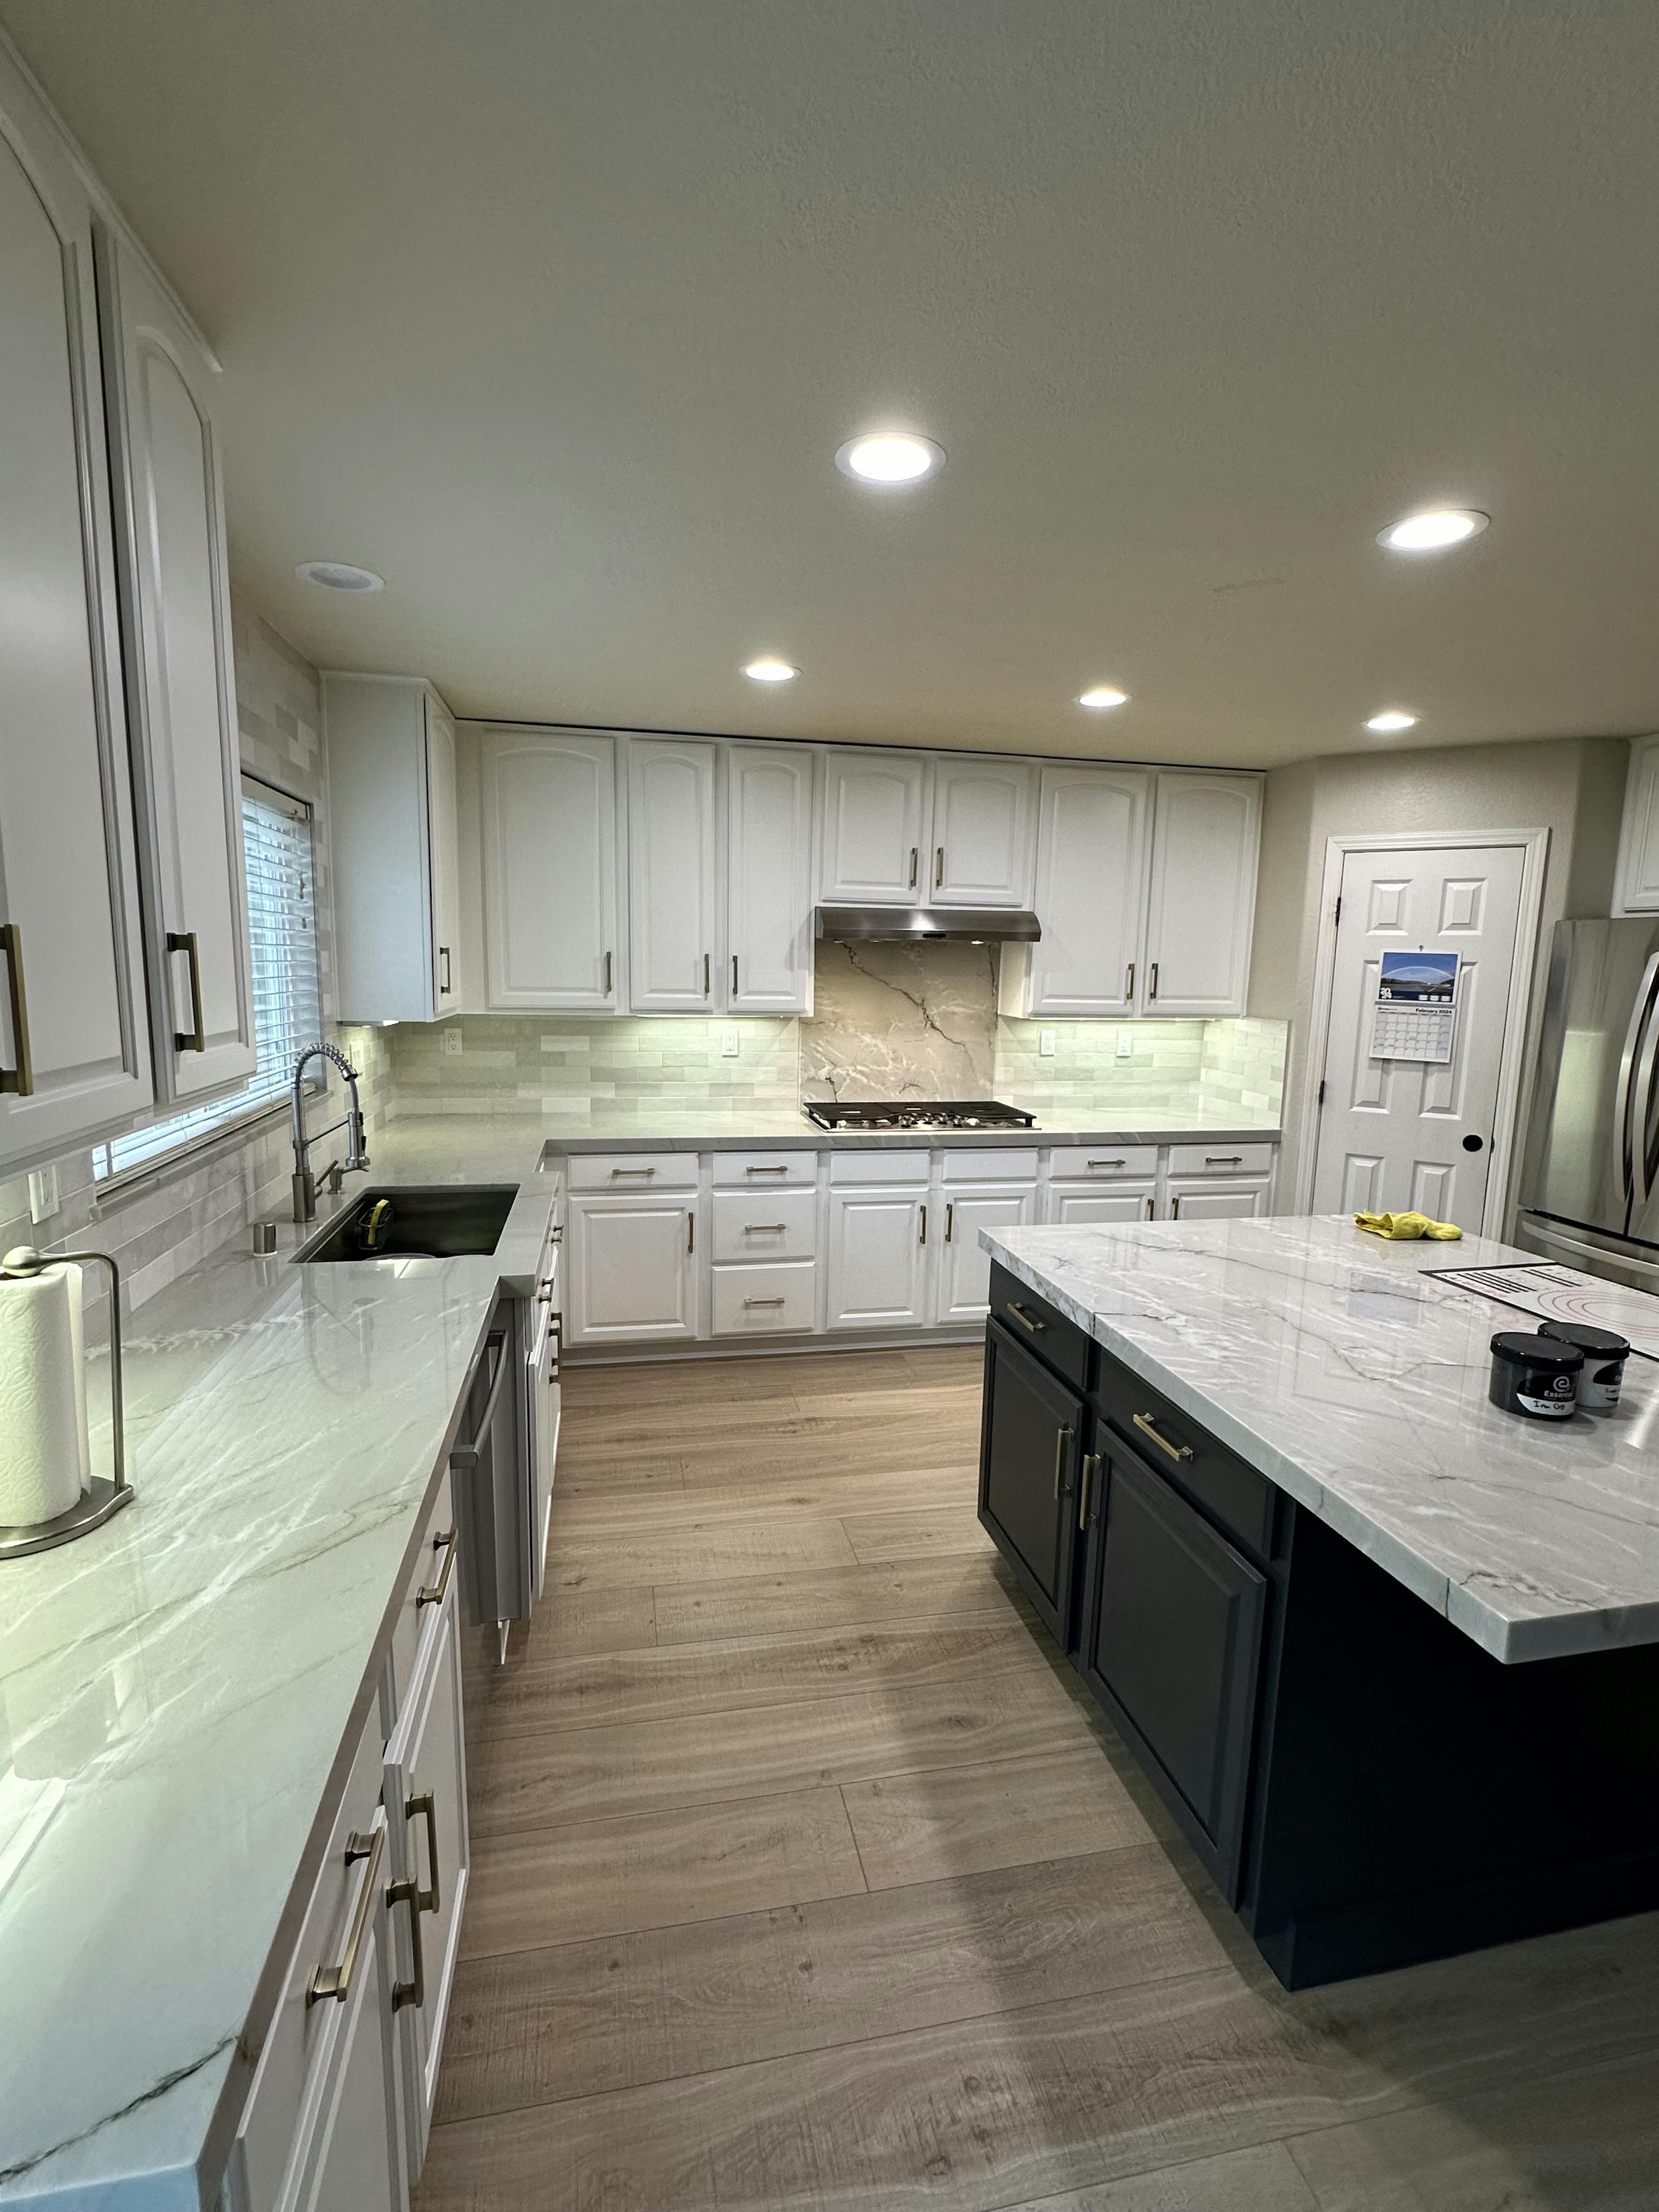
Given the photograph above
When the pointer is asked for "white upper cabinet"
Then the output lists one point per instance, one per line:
(982, 826)
(392, 829)
(769, 790)
(874, 828)
(180, 682)
(74, 1054)
(1090, 896)
(672, 907)
(1636, 887)
(1201, 905)
(550, 871)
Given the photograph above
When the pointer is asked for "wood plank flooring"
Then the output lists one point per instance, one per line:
(806, 1877)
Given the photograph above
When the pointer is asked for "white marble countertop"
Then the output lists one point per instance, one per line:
(1328, 1361)
(174, 1688)
(712, 1129)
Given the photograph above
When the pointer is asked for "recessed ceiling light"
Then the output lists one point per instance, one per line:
(890, 457)
(1102, 695)
(771, 672)
(340, 576)
(1393, 720)
(1433, 529)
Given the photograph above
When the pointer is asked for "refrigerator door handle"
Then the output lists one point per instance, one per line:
(1633, 1158)
(1542, 1234)
(1641, 1118)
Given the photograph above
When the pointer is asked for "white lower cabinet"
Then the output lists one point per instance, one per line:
(962, 1280)
(1219, 1197)
(774, 1301)
(877, 1257)
(633, 1265)
(1071, 1204)
(424, 1794)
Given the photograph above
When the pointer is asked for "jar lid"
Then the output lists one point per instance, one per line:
(1537, 1351)
(1604, 1343)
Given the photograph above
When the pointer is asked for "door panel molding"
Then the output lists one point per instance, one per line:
(1535, 850)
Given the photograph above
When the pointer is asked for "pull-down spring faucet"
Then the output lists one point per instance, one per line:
(305, 1183)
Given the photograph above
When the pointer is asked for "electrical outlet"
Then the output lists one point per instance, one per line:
(728, 1044)
(1046, 1043)
(450, 1044)
(43, 1200)
(1125, 1044)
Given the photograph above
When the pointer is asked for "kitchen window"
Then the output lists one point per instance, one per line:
(281, 916)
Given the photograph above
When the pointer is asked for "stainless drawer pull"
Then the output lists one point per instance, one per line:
(446, 986)
(913, 867)
(1063, 1437)
(435, 1592)
(467, 1455)
(1024, 1319)
(1223, 1159)
(1129, 982)
(705, 974)
(763, 1302)
(411, 1992)
(939, 868)
(690, 1232)
(734, 974)
(782, 1168)
(1085, 1512)
(921, 1234)
(1109, 1163)
(607, 974)
(632, 1171)
(950, 1218)
(20, 1079)
(764, 1227)
(336, 1981)
(1151, 981)
(194, 1039)
(1149, 1427)
(425, 1806)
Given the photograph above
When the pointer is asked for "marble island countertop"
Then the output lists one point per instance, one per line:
(1328, 1361)
(175, 1688)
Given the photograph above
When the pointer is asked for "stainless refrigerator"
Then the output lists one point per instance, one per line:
(1589, 1175)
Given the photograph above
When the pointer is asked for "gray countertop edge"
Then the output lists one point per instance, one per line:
(808, 1140)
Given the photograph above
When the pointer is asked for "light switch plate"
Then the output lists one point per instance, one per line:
(450, 1044)
(44, 1198)
(1125, 1044)
(1046, 1043)
(728, 1044)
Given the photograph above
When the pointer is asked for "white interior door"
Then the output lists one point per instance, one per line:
(549, 865)
(873, 828)
(1399, 1134)
(670, 877)
(769, 879)
(981, 833)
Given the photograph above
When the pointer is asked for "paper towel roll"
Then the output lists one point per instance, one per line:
(42, 1397)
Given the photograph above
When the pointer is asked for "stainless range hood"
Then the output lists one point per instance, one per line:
(924, 924)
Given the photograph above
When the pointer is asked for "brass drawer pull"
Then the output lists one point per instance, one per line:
(424, 1806)
(20, 1079)
(1063, 1437)
(632, 1171)
(1084, 1513)
(411, 1992)
(1024, 1319)
(763, 1302)
(1149, 1427)
(782, 1168)
(764, 1227)
(194, 1039)
(435, 1592)
(336, 1981)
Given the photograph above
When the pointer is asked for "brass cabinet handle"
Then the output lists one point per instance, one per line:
(607, 974)
(1149, 1427)
(1152, 982)
(1063, 1437)
(782, 1168)
(444, 987)
(1085, 1514)
(921, 1234)
(1129, 985)
(1026, 1319)
(425, 1806)
(764, 1227)
(950, 1218)
(913, 867)
(193, 1039)
(705, 974)
(690, 1232)
(763, 1302)
(20, 1079)
(632, 1171)
(336, 1981)
(435, 1592)
(411, 1992)
(939, 868)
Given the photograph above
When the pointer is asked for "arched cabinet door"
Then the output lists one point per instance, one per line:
(73, 1054)
(181, 682)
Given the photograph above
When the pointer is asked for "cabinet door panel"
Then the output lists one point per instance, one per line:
(769, 878)
(963, 1278)
(550, 826)
(1202, 903)
(981, 833)
(348, 2158)
(877, 1259)
(873, 828)
(1228, 1199)
(1091, 892)
(1123, 1201)
(181, 701)
(632, 1268)
(1173, 1641)
(1031, 1459)
(68, 888)
(670, 877)
(444, 848)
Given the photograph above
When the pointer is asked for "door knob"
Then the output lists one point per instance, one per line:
(1473, 1144)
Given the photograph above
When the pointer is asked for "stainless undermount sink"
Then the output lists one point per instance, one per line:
(432, 1221)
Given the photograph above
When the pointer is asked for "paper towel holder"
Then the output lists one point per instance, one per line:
(102, 1495)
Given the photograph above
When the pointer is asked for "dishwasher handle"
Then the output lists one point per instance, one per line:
(468, 1456)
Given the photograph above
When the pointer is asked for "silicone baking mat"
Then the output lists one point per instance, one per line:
(1557, 1293)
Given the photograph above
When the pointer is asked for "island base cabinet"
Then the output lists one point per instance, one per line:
(1031, 1459)
(1172, 1646)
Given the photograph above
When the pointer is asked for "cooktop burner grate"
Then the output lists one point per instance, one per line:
(920, 1114)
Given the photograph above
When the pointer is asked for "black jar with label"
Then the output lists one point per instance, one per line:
(1605, 1354)
(1536, 1376)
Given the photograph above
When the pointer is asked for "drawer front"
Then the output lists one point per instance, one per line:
(1099, 1163)
(625, 1171)
(1236, 1498)
(760, 1224)
(868, 1164)
(300, 2033)
(1031, 1320)
(1221, 1159)
(764, 1170)
(765, 1301)
(429, 1571)
(1006, 1163)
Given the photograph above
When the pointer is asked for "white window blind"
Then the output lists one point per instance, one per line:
(281, 916)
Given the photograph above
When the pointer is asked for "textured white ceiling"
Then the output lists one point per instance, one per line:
(555, 313)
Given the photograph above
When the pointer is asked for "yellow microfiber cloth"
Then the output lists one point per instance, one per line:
(1406, 1224)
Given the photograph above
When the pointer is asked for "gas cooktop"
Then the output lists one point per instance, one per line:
(920, 1114)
